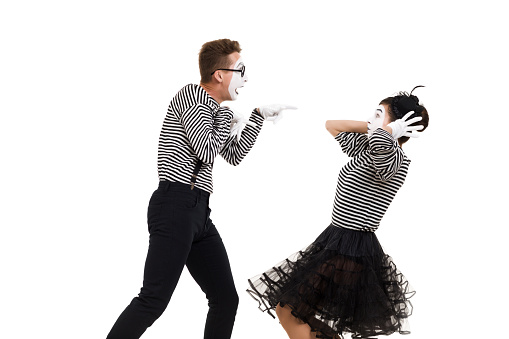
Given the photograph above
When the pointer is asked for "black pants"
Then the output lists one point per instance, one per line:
(181, 233)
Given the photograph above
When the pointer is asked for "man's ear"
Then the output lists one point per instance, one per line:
(218, 76)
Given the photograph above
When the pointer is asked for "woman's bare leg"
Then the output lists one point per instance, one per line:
(295, 328)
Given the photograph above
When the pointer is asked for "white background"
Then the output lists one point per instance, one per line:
(84, 87)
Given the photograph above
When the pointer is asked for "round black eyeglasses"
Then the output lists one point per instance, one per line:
(242, 70)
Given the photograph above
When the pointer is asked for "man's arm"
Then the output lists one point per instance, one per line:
(337, 126)
(206, 131)
(235, 150)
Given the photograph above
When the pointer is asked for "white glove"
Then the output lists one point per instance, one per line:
(401, 127)
(238, 124)
(274, 112)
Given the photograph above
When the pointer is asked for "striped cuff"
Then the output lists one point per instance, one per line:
(256, 118)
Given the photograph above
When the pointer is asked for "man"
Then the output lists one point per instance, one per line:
(196, 129)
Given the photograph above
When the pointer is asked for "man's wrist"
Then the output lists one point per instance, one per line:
(256, 117)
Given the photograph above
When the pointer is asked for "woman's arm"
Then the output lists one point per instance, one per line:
(337, 126)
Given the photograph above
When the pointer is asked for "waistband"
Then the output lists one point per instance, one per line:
(166, 185)
(356, 228)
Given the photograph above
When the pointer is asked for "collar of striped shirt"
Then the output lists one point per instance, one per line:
(209, 100)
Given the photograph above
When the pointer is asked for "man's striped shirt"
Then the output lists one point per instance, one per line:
(196, 127)
(368, 183)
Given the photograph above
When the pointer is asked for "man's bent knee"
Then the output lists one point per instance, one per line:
(226, 302)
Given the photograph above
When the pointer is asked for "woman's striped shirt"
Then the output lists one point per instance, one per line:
(196, 127)
(368, 183)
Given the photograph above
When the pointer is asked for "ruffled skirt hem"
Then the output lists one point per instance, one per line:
(342, 282)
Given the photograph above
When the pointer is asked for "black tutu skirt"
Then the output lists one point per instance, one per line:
(342, 282)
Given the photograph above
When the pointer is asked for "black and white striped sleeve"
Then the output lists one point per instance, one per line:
(352, 143)
(206, 131)
(234, 151)
(386, 155)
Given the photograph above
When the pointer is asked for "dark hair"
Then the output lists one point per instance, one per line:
(214, 55)
(401, 104)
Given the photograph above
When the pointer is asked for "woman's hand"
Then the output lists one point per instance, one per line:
(401, 127)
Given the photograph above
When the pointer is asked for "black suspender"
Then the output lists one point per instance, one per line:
(195, 173)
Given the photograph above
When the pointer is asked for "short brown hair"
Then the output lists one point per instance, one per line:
(214, 55)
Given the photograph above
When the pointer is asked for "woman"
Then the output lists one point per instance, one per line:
(343, 281)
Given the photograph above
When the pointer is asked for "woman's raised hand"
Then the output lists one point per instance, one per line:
(401, 127)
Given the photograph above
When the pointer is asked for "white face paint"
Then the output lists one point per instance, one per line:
(376, 120)
(237, 80)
